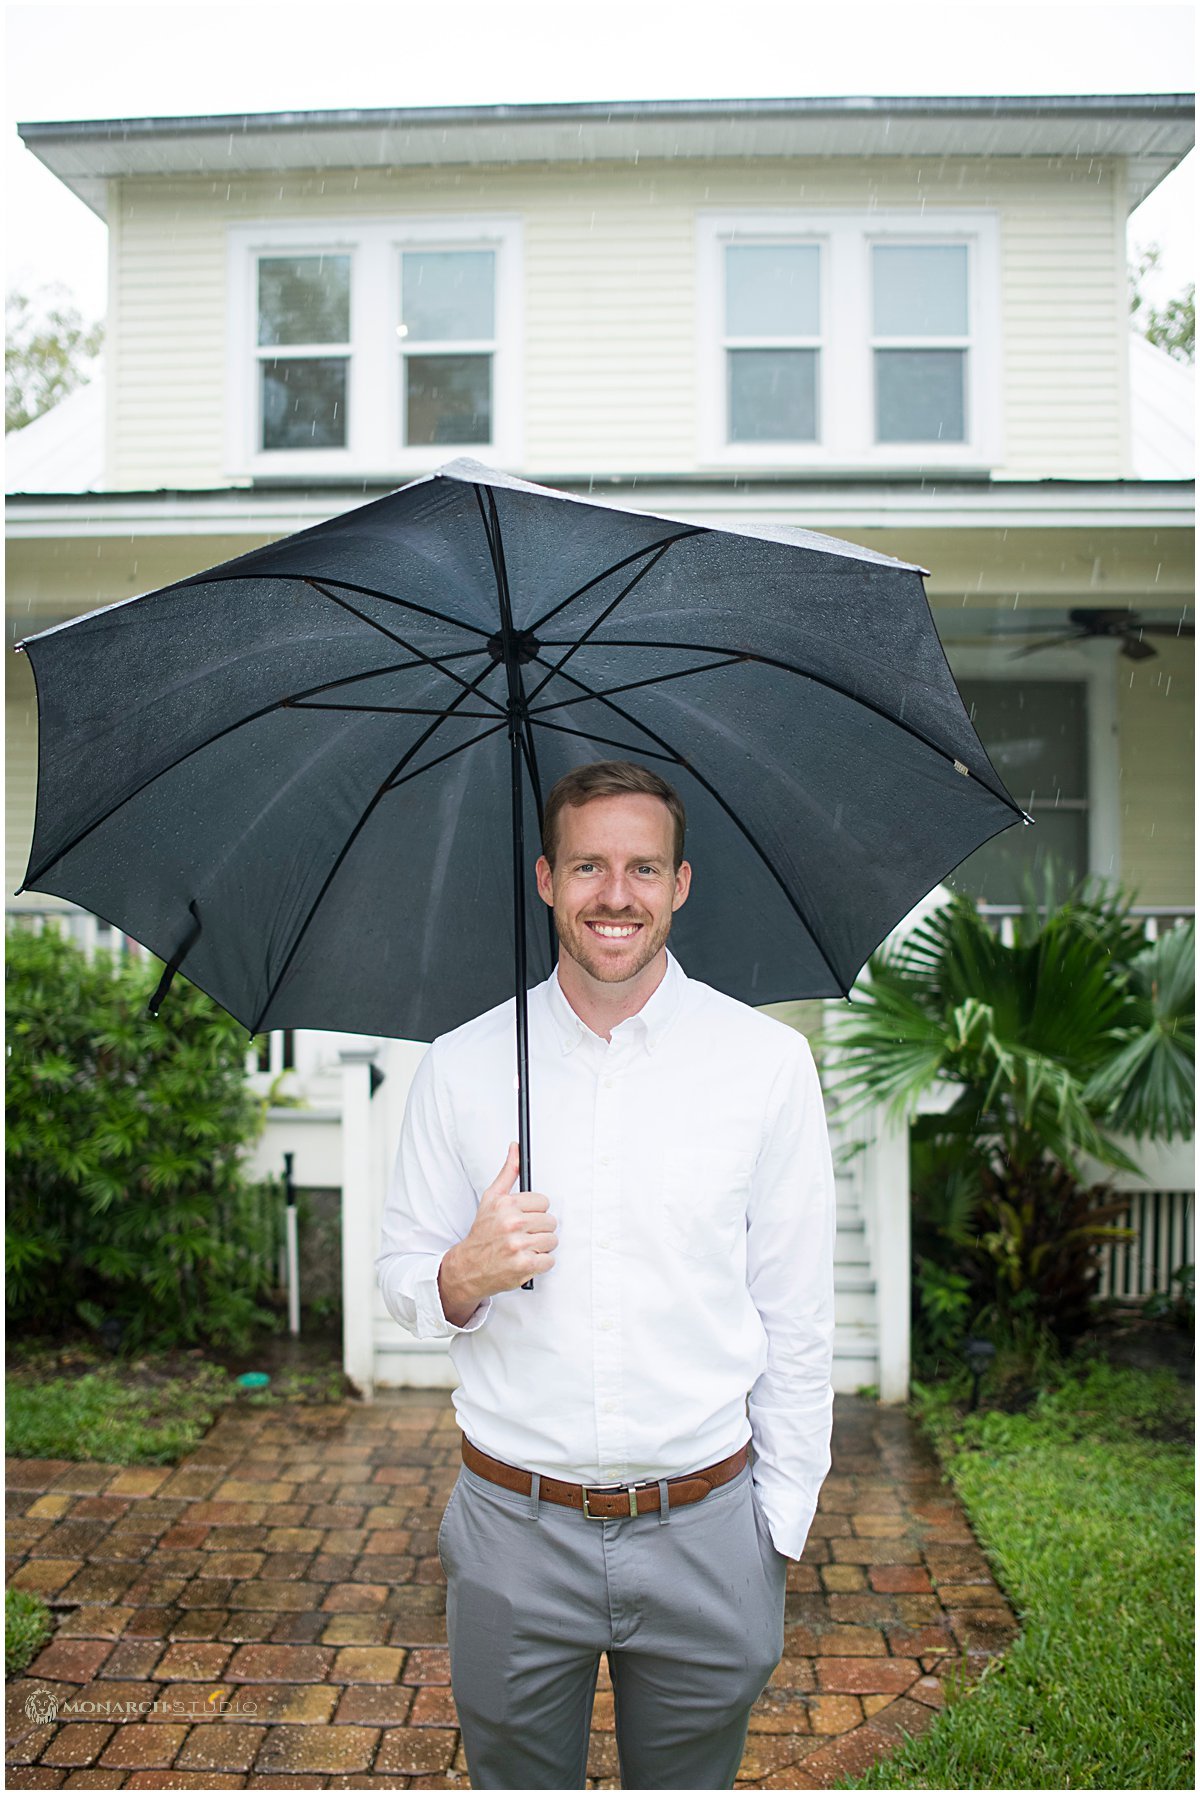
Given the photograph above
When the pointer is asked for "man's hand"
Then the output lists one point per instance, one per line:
(512, 1238)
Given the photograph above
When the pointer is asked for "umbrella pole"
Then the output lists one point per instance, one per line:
(522, 1006)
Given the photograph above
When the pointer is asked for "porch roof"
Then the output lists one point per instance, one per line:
(902, 502)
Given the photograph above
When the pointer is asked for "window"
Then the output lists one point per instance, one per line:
(849, 339)
(920, 341)
(372, 347)
(304, 351)
(772, 340)
(447, 343)
(1036, 735)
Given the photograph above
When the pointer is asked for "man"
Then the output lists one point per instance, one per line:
(682, 1262)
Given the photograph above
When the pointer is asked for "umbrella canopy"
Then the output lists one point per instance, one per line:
(300, 775)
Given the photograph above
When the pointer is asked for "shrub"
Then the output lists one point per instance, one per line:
(1043, 1049)
(128, 1209)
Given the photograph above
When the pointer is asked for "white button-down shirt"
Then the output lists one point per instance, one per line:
(687, 1164)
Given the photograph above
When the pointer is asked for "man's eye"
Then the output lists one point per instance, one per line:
(586, 866)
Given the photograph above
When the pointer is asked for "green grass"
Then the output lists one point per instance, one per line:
(27, 1627)
(149, 1411)
(1084, 1506)
(102, 1416)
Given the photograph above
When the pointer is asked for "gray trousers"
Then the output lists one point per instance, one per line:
(687, 1604)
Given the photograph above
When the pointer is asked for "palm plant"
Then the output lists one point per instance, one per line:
(1012, 1062)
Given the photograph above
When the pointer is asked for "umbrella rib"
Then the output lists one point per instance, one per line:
(395, 784)
(277, 704)
(632, 685)
(626, 561)
(386, 598)
(588, 735)
(349, 842)
(830, 685)
(683, 761)
(389, 710)
(428, 659)
(592, 627)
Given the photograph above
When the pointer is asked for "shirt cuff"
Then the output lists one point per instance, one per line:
(431, 1318)
(789, 1513)
(788, 1536)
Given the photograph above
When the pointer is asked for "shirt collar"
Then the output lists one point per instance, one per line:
(649, 1023)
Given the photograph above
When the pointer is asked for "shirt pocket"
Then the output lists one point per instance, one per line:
(705, 1192)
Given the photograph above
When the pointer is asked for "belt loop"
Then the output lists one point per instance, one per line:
(535, 1495)
(664, 1502)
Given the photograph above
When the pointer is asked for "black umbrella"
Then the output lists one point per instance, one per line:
(307, 775)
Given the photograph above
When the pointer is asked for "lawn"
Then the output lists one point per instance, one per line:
(1084, 1504)
(78, 1403)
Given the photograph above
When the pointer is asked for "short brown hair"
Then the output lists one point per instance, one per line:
(608, 779)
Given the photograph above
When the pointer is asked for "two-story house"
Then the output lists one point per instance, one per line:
(904, 321)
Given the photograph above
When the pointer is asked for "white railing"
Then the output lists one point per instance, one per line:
(1163, 1222)
(1154, 918)
(88, 931)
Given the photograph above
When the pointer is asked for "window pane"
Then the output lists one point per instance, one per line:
(772, 395)
(447, 295)
(919, 396)
(304, 299)
(772, 290)
(1035, 732)
(304, 403)
(449, 398)
(920, 289)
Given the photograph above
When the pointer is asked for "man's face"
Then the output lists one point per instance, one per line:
(613, 887)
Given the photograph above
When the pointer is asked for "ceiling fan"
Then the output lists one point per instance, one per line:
(1124, 626)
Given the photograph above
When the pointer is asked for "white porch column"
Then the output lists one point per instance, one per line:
(358, 1246)
(887, 1177)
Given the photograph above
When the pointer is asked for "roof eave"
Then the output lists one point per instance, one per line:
(1151, 132)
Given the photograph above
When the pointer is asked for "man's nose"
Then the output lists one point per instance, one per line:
(617, 893)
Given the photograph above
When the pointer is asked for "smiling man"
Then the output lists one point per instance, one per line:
(646, 1430)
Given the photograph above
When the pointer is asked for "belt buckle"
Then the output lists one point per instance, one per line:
(614, 1489)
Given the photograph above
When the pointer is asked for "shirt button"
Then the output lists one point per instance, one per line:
(609, 1083)
(605, 1159)
(605, 1324)
(610, 1407)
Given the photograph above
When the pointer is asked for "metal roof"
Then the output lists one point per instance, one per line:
(1151, 132)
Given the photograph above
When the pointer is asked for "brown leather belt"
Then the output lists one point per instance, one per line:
(606, 1502)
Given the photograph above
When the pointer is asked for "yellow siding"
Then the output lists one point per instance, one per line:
(610, 355)
(1156, 707)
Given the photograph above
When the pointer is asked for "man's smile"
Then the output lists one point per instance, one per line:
(614, 931)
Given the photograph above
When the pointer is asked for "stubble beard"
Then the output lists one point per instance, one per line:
(575, 941)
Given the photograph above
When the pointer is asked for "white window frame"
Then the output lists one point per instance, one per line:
(373, 389)
(846, 372)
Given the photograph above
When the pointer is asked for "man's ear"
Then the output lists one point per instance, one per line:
(683, 884)
(545, 880)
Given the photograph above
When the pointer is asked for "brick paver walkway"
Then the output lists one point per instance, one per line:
(271, 1612)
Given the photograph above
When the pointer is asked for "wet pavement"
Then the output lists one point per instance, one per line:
(270, 1613)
